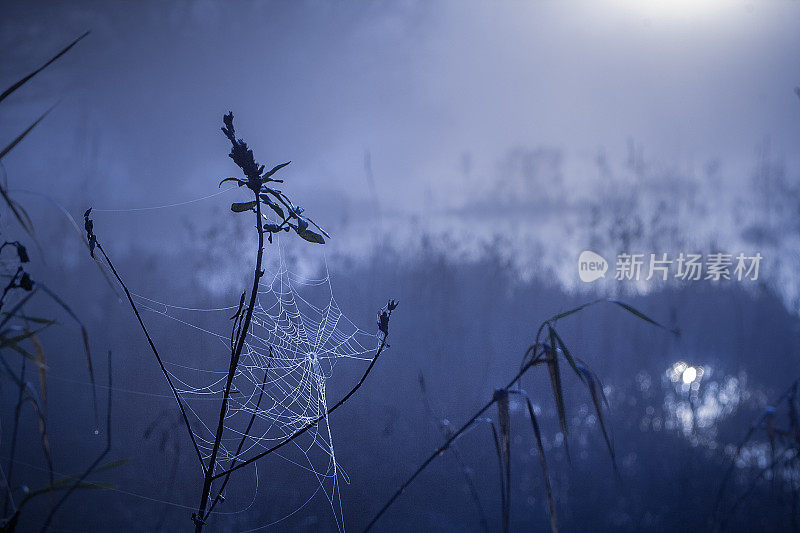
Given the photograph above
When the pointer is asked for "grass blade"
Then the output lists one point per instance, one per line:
(24, 80)
(558, 391)
(565, 351)
(34, 319)
(19, 212)
(41, 364)
(13, 342)
(67, 481)
(501, 468)
(636, 312)
(595, 387)
(8, 498)
(85, 337)
(24, 134)
(78, 229)
(93, 467)
(42, 432)
(543, 461)
(572, 311)
(504, 450)
(599, 399)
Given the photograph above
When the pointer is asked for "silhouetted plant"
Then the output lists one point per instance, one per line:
(17, 329)
(547, 351)
(291, 217)
(779, 424)
(444, 426)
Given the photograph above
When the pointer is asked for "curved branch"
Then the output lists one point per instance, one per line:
(154, 350)
(444, 447)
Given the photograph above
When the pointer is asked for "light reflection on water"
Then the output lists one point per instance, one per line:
(695, 402)
(695, 398)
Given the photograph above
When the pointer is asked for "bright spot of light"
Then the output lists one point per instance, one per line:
(675, 8)
(681, 371)
(689, 375)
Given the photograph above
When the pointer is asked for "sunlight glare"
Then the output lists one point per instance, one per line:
(675, 8)
(689, 375)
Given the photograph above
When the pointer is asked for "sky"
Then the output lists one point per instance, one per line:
(436, 93)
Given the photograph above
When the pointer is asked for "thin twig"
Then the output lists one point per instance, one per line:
(245, 435)
(473, 490)
(731, 467)
(84, 336)
(14, 431)
(96, 462)
(446, 445)
(155, 352)
(501, 468)
(769, 468)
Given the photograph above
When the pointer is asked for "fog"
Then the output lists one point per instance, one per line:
(461, 155)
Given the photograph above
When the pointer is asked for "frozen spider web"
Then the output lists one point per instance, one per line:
(297, 335)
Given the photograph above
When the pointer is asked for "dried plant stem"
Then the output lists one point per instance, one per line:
(538, 353)
(14, 431)
(245, 435)
(473, 489)
(85, 337)
(96, 462)
(235, 355)
(256, 181)
(202, 514)
(78, 479)
(155, 352)
(441, 449)
(719, 517)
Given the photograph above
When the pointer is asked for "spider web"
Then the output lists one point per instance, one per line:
(297, 335)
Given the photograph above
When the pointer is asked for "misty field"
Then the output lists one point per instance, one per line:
(380, 271)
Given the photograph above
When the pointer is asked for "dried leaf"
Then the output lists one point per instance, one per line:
(543, 462)
(311, 236)
(275, 207)
(565, 314)
(41, 364)
(636, 312)
(34, 319)
(555, 380)
(598, 399)
(237, 180)
(274, 170)
(504, 422)
(501, 465)
(565, 351)
(11, 342)
(40, 414)
(241, 207)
